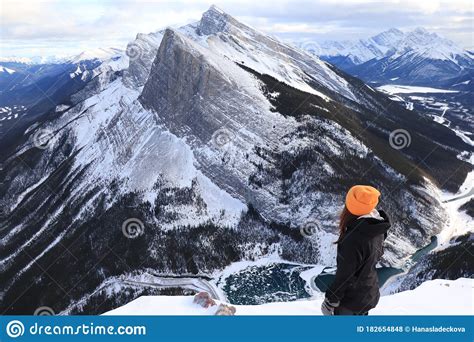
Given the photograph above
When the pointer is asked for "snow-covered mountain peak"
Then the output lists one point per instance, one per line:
(216, 9)
(213, 21)
(101, 54)
(394, 30)
(388, 38)
(189, 63)
(422, 36)
(226, 36)
(428, 45)
(420, 30)
(394, 43)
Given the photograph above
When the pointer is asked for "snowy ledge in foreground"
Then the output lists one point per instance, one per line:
(435, 297)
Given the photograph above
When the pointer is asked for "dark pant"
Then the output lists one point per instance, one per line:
(342, 311)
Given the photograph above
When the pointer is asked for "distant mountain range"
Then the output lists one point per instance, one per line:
(33, 87)
(91, 54)
(32, 60)
(416, 57)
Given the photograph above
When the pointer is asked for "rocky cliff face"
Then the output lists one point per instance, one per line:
(142, 52)
(217, 107)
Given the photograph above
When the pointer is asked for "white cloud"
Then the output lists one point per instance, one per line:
(71, 25)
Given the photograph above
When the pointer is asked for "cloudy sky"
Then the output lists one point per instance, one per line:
(66, 27)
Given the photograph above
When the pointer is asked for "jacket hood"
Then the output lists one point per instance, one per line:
(371, 225)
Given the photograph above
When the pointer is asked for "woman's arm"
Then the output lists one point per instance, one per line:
(349, 259)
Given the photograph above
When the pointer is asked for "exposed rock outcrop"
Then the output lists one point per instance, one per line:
(204, 299)
(225, 310)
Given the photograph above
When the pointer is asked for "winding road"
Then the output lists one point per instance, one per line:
(461, 196)
(192, 283)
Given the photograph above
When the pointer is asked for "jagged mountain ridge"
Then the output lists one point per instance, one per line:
(362, 50)
(394, 43)
(256, 50)
(122, 151)
(414, 57)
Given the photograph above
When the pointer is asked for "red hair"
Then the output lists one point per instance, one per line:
(344, 220)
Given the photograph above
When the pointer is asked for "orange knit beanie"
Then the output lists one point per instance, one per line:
(362, 199)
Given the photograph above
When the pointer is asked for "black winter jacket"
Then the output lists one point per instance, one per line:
(356, 284)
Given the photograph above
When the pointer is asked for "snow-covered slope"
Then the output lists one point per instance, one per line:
(6, 70)
(436, 297)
